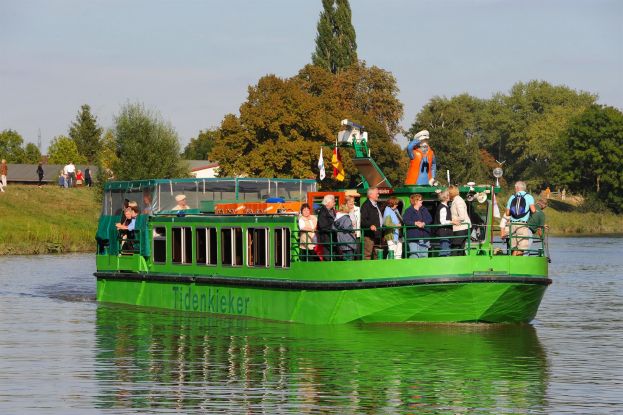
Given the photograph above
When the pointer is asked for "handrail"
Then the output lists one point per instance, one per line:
(331, 250)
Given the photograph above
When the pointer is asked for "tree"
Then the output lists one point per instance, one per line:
(591, 162)
(11, 146)
(62, 150)
(454, 136)
(32, 154)
(284, 123)
(146, 146)
(199, 148)
(336, 47)
(86, 134)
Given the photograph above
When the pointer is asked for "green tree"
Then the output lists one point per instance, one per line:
(62, 150)
(523, 126)
(87, 135)
(336, 47)
(284, 123)
(146, 146)
(11, 146)
(32, 154)
(592, 152)
(199, 148)
(454, 136)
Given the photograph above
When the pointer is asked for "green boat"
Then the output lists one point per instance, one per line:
(234, 249)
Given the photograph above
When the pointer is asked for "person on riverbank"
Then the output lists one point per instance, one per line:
(40, 174)
(79, 178)
(392, 221)
(70, 174)
(88, 181)
(417, 215)
(460, 221)
(371, 219)
(519, 207)
(443, 220)
(4, 171)
(307, 239)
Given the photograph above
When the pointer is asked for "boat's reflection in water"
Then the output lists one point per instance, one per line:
(155, 361)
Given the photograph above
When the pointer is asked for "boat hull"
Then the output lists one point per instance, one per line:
(444, 299)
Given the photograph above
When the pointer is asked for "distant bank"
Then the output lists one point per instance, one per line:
(55, 220)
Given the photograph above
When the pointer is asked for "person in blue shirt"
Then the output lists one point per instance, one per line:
(519, 208)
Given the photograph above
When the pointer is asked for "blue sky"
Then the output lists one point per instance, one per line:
(193, 60)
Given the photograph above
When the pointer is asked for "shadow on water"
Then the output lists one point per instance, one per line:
(67, 291)
(156, 360)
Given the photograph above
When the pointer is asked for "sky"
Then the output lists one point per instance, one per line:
(192, 61)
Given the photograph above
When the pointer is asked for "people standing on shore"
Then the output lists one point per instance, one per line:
(40, 173)
(371, 219)
(70, 174)
(4, 171)
(79, 178)
(88, 181)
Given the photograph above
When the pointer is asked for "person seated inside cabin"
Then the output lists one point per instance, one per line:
(126, 229)
(307, 240)
(181, 203)
(346, 238)
(147, 200)
(392, 221)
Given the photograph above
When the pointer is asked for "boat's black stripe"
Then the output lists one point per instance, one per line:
(319, 285)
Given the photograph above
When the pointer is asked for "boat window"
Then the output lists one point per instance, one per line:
(257, 247)
(231, 246)
(206, 246)
(282, 247)
(160, 245)
(182, 245)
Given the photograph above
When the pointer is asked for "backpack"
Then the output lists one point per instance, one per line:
(518, 207)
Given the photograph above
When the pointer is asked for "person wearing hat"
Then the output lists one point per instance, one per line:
(423, 165)
(181, 203)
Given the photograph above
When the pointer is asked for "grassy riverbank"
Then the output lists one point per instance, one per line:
(54, 220)
(47, 220)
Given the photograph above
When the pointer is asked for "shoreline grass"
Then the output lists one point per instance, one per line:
(54, 220)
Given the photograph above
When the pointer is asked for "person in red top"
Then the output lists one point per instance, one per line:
(79, 178)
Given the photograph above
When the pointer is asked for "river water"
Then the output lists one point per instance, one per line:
(62, 353)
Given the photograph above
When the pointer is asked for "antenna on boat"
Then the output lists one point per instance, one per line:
(498, 172)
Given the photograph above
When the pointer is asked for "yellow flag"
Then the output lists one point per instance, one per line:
(338, 167)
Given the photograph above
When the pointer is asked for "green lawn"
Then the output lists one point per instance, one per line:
(49, 219)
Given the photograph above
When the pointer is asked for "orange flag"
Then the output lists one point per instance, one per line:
(338, 167)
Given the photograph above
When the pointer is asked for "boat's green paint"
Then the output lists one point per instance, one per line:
(456, 302)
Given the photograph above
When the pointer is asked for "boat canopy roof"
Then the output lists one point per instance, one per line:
(158, 195)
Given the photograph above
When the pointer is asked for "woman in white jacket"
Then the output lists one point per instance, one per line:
(460, 221)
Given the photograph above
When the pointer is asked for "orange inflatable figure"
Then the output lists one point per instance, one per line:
(423, 166)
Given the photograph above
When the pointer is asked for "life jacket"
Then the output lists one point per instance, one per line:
(414, 167)
(518, 207)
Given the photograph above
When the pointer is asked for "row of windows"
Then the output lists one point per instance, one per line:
(232, 246)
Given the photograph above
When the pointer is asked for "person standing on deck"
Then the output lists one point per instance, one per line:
(443, 218)
(371, 219)
(392, 222)
(326, 236)
(4, 171)
(460, 221)
(519, 207)
(417, 215)
(536, 222)
(423, 165)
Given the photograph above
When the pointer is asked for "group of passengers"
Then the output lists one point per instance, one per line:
(523, 221)
(335, 232)
(127, 225)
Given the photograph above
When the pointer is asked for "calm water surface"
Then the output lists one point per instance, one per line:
(62, 353)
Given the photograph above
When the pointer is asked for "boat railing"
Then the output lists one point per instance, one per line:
(514, 241)
(326, 245)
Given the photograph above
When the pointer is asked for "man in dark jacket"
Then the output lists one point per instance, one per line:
(417, 215)
(326, 234)
(371, 219)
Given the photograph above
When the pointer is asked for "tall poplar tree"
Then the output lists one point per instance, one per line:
(86, 134)
(336, 47)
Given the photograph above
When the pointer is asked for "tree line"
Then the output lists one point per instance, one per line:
(544, 134)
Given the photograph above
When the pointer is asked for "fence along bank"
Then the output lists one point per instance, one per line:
(235, 251)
